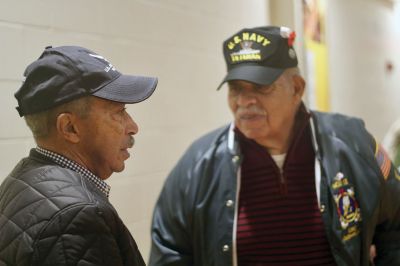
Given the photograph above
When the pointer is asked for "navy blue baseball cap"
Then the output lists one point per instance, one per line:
(259, 55)
(65, 73)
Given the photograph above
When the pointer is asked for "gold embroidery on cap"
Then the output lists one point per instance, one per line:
(246, 53)
(247, 36)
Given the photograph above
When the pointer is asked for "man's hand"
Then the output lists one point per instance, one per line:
(372, 254)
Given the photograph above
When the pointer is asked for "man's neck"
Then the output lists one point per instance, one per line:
(281, 143)
(68, 151)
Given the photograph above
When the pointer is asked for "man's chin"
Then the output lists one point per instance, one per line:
(252, 133)
(120, 168)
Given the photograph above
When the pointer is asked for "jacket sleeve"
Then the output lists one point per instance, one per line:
(387, 234)
(170, 231)
(174, 230)
(79, 235)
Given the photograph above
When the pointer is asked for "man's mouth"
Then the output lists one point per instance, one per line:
(250, 116)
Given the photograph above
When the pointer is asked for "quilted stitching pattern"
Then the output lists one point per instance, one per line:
(50, 214)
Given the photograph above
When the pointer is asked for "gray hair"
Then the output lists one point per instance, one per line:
(43, 122)
(293, 71)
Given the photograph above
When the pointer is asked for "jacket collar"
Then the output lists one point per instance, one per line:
(233, 144)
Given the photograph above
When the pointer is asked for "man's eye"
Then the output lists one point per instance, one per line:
(265, 89)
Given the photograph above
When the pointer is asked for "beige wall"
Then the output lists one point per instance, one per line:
(289, 13)
(282, 12)
(362, 37)
(180, 41)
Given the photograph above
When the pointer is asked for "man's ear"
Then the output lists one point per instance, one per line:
(299, 85)
(67, 127)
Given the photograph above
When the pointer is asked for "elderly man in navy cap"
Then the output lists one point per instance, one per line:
(54, 207)
(281, 185)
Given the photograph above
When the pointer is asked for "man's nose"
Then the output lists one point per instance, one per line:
(246, 98)
(132, 128)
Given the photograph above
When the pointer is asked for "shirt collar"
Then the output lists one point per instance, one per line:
(67, 163)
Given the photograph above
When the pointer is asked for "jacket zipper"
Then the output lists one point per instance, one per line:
(282, 184)
(234, 244)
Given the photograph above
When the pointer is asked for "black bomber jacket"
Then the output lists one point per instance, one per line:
(52, 216)
(194, 220)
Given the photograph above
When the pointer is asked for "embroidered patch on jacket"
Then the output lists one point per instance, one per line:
(347, 206)
(383, 161)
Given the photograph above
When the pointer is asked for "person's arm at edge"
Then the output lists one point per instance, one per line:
(387, 234)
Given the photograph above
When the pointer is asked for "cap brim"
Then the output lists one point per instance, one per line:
(128, 89)
(256, 74)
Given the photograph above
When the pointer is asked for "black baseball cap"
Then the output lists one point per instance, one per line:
(65, 73)
(259, 55)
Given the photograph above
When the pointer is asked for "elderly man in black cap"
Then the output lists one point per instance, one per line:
(281, 185)
(54, 207)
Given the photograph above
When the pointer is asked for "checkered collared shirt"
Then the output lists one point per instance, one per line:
(67, 163)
